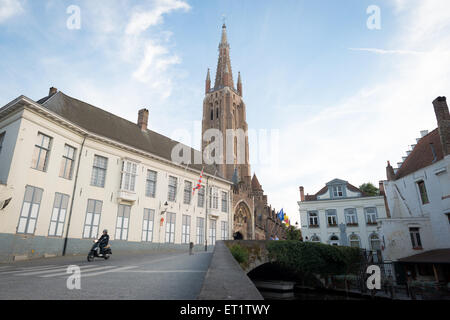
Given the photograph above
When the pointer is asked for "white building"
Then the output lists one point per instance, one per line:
(68, 170)
(341, 214)
(417, 228)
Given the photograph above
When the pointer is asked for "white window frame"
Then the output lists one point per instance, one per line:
(371, 240)
(186, 229)
(187, 192)
(148, 225)
(92, 219)
(172, 189)
(224, 229)
(150, 185)
(200, 230)
(313, 216)
(170, 227)
(212, 231)
(30, 210)
(224, 201)
(58, 218)
(332, 216)
(354, 238)
(39, 147)
(98, 177)
(351, 216)
(338, 191)
(129, 176)
(371, 217)
(201, 197)
(123, 222)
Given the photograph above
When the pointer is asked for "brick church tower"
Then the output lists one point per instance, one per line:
(224, 109)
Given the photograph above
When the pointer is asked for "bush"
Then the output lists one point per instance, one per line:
(239, 253)
(315, 258)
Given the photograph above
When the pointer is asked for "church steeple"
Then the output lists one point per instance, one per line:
(239, 84)
(224, 75)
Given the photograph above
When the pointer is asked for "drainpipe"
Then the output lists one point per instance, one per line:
(73, 196)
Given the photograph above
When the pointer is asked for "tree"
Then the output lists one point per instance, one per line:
(293, 233)
(370, 189)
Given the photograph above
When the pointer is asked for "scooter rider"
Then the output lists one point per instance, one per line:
(103, 241)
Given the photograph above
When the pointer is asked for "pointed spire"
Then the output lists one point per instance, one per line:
(208, 82)
(239, 84)
(224, 76)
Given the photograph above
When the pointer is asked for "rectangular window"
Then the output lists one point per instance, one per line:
(123, 219)
(415, 238)
(172, 194)
(67, 162)
(58, 215)
(224, 229)
(224, 201)
(200, 230)
(423, 192)
(99, 171)
(94, 209)
(338, 191)
(170, 228)
(350, 217)
(147, 226)
(41, 152)
(212, 232)
(150, 186)
(186, 229)
(30, 210)
(2, 138)
(187, 192)
(213, 198)
(331, 218)
(313, 219)
(129, 173)
(371, 216)
(201, 197)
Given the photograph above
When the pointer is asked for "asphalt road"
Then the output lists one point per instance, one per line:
(149, 276)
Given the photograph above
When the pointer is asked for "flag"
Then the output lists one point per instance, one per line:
(199, 184)
(281, 215)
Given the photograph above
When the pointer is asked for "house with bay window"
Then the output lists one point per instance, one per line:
(341, 214)
(68, 170)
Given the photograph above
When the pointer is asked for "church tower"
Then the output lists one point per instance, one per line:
(224, 109)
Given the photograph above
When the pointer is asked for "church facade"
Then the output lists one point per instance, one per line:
(224, 110)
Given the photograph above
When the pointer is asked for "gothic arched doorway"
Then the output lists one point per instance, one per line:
(238, 236)
(243, 221)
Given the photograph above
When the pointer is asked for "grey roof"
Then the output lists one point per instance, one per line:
(106, 124)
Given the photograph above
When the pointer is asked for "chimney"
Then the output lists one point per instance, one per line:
(383, 193)
(52, 91)
(443, 120)
(390, 172)
(302, 194)
(143, 119)
(381, 187)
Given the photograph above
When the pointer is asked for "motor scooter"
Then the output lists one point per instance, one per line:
(95, 252)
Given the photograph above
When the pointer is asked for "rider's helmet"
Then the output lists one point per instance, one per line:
(105, 231)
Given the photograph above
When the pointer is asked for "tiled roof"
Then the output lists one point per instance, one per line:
(422, 155)
(255, 183)
(103, 123)
(432, 256)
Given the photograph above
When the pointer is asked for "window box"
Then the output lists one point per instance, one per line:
(332, 225)
(314, 226)
(417, 248)
(372, 223)
(352, 224)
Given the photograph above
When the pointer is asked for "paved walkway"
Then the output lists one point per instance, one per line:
(158, 276)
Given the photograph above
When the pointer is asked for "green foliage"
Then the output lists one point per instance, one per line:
(315, 258)
(293, 233)
(239, 253)
(370, 189)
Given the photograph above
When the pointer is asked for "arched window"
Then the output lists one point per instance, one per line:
(315, 238)
(212, 114)
(354, 241)
(374, 241)
(334, 240)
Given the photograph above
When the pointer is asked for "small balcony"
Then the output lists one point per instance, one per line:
(127, 195)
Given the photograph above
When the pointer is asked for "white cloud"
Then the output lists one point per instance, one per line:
(384, 51)
(9, 8)
(142, 20)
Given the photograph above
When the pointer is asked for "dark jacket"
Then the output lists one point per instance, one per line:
(103, 241)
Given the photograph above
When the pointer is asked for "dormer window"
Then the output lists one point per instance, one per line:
(338, 191)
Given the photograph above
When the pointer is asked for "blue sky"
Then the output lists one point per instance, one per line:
(343, 98)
